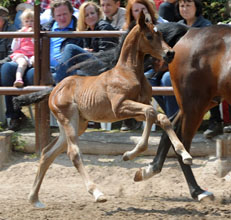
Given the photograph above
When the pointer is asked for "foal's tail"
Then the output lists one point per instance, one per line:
(30, 98)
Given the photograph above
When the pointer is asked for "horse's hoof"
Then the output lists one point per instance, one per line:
(101, 199)
(35, 202)
(205, 196)
(186, 158)
(187, 161)
(125, 157)
(138, 176)
(38, 205)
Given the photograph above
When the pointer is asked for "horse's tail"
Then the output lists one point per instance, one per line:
(30, 98)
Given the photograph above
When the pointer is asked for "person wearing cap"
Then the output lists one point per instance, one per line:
(5, 43)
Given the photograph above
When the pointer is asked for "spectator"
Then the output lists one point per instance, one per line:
(19, 10)
(113, 13)
(46, 3)
(133, 9)
(63, 21)
(5, 43)
(90, 18)
(157, 3)
(23, 48)
(167, 10)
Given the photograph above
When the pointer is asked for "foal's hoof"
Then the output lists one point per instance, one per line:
(138, 176)
(187, 161)
(205, 196)
(125, 157)
(186, 158)
(38, 204)
(101, 199)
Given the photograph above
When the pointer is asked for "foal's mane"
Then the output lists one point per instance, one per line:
(106, 60)
(101, 61)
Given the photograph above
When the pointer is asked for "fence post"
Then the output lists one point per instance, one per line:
(42, 112)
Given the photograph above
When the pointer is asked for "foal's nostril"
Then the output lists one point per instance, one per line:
(169, 56)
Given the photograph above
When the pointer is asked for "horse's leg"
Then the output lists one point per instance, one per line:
(151, 117)
(163, 148)
(71, 129)
(48, 156)
(190, 123)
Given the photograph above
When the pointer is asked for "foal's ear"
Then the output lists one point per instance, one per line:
(141, 20)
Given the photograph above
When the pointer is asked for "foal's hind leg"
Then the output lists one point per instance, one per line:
(71, 125)
(48, 156)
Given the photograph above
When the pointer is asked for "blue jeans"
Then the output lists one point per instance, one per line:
(167, 103)
(70, 50)
(8, 73)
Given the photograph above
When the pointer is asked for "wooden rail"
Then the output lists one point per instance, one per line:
(164, 90)
(156, 90)
(21, 91)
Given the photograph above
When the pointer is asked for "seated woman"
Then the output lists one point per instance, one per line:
(90, 19)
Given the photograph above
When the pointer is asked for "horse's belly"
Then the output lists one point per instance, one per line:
(96, 110)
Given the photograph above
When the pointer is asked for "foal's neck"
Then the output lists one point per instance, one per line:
(131, 55)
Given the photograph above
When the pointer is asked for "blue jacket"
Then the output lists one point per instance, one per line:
(78, 41)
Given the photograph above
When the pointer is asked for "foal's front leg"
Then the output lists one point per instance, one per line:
(151, 116)
(132, 109)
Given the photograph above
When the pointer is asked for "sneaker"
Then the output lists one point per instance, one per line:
(227, 129)
(124, 126)
(215, 128)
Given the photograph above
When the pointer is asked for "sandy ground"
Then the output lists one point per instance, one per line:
(165, 196)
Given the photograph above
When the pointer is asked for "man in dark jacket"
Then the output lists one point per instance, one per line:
(62, 11)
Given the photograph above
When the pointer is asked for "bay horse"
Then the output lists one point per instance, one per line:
(120, 93)
(201, 78)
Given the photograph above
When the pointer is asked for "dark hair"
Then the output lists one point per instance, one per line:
(198, 5)
(4, 13)
(56, 3)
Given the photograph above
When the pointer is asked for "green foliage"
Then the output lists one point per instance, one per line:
(216, 11)
(1, 128)
(17, 144)
(10, 3)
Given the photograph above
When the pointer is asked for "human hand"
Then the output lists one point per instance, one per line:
(88, 49)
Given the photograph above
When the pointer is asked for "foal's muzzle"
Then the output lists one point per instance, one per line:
(168, 57)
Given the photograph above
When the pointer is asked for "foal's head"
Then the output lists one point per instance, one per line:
(151, 41)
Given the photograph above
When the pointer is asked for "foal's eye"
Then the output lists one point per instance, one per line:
(149, 37)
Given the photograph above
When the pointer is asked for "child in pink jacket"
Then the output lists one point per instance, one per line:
(23, 48)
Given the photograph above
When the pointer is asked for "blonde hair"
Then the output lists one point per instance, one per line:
(27, 14)
(149, 4)
(82, 26)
